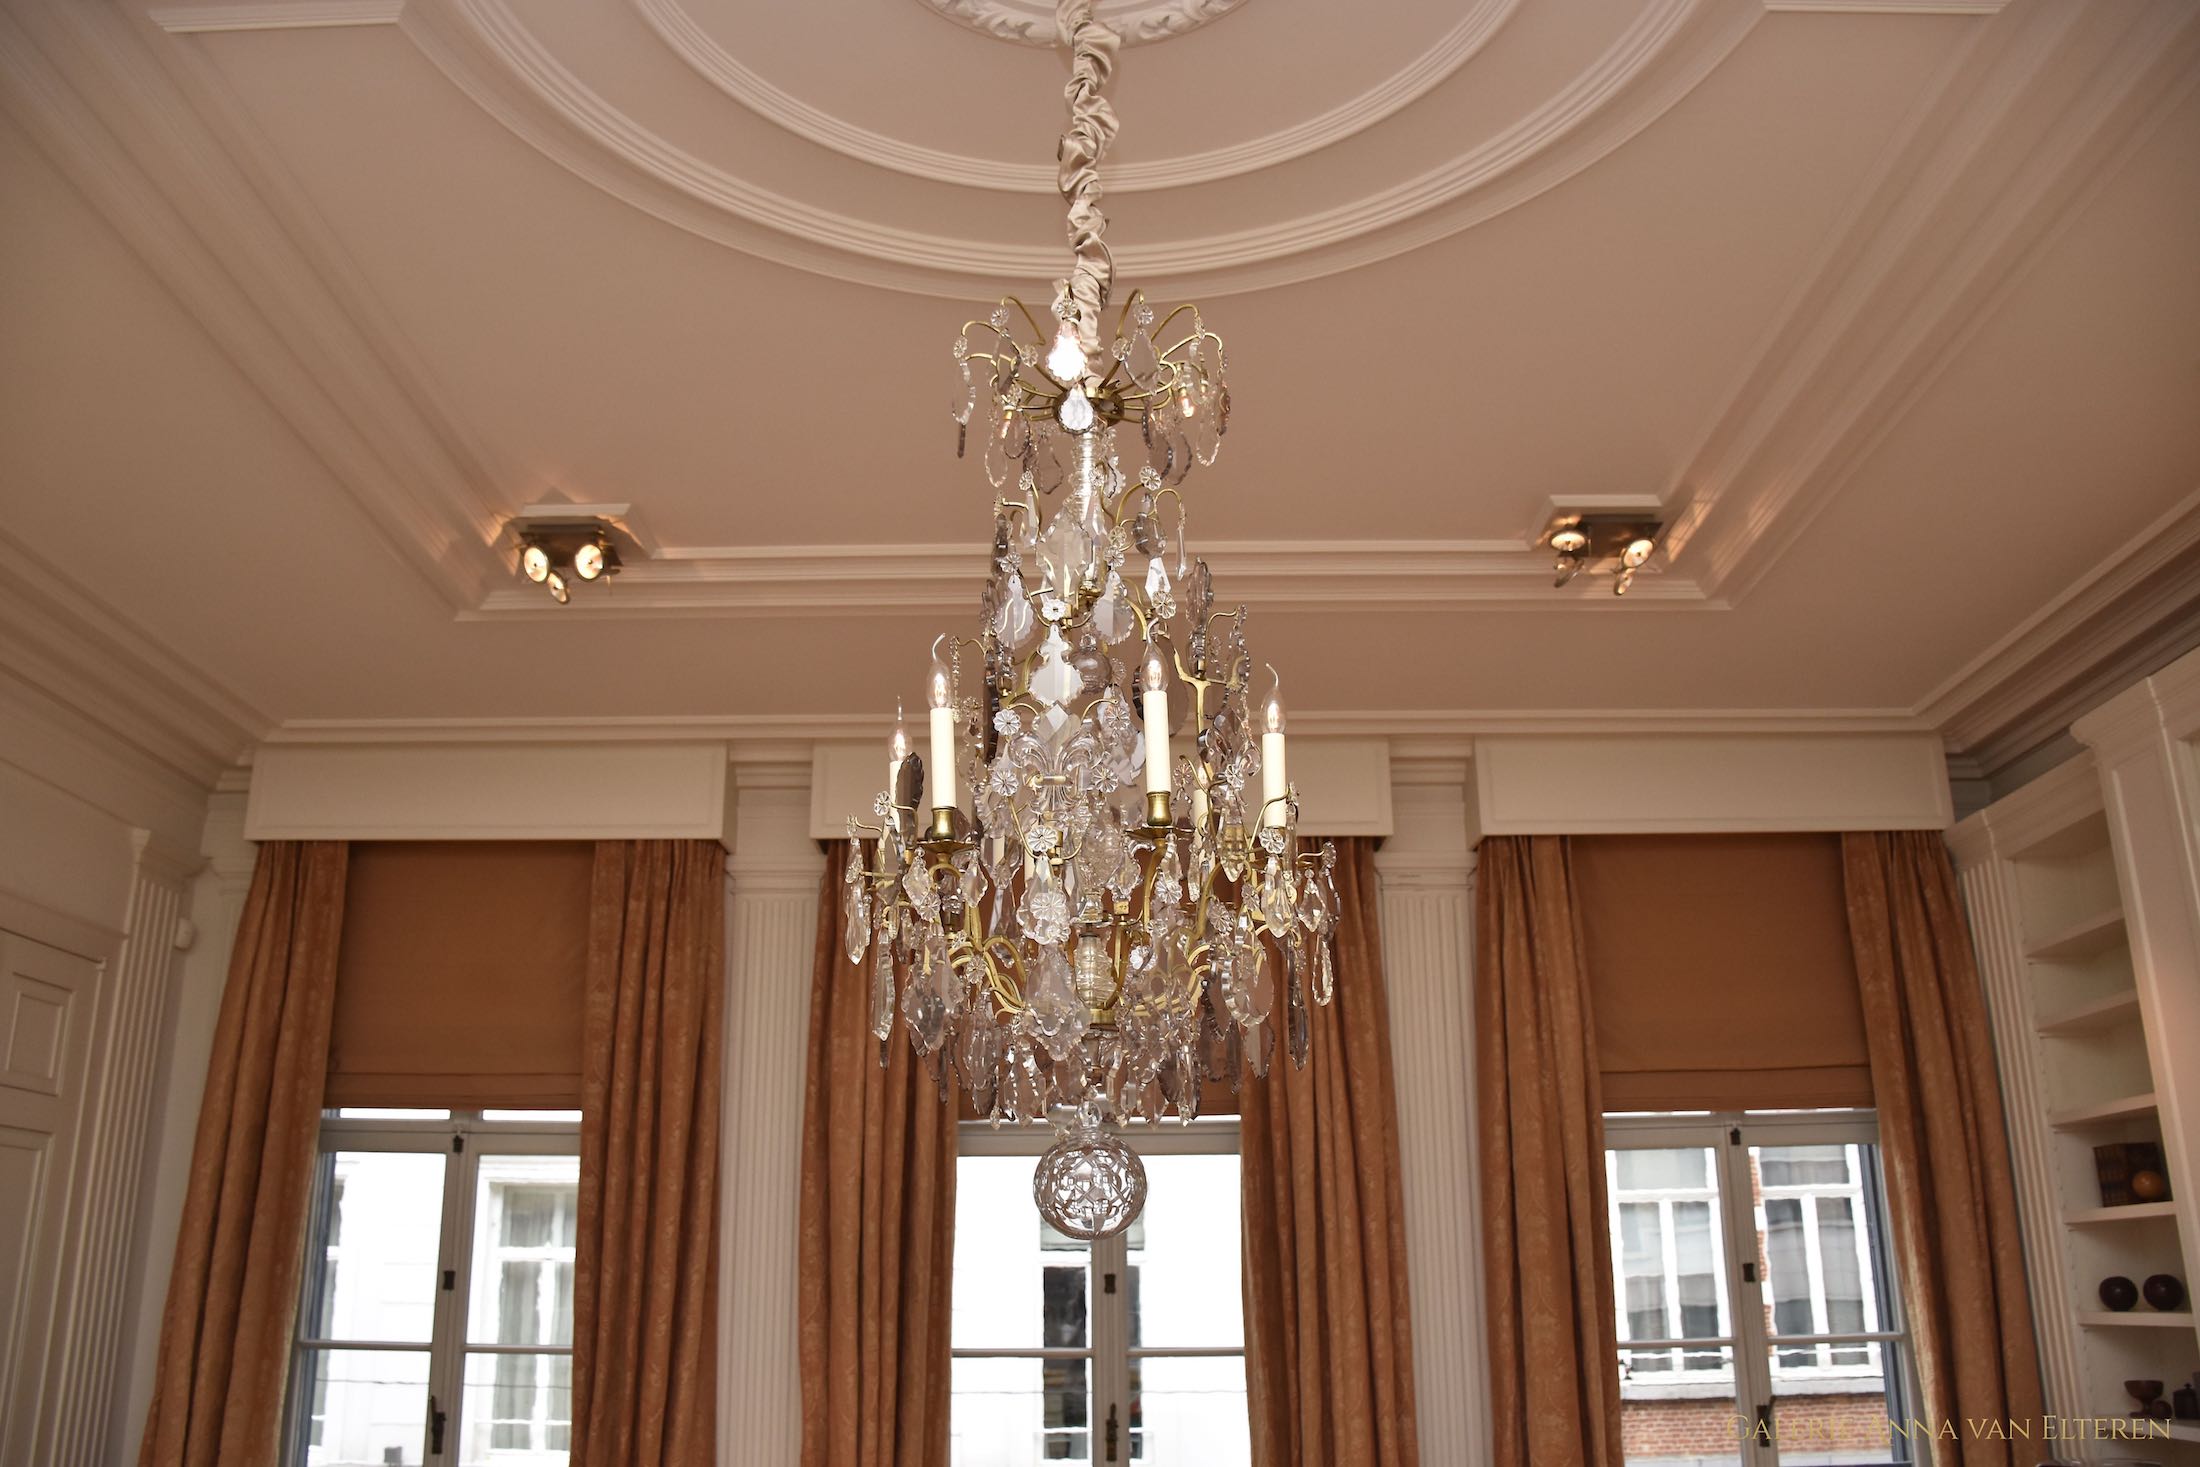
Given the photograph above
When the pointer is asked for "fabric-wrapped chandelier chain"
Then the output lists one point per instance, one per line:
(1068, 921)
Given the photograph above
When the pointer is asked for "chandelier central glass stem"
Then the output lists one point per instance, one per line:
(1089, 900)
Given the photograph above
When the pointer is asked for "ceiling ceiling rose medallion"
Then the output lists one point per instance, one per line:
(1032, 22)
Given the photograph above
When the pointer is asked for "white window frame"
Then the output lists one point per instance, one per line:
(462, 1140)
(1729, 1137)
(1107, 1349)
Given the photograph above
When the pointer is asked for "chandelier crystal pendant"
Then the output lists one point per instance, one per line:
(1099, 901)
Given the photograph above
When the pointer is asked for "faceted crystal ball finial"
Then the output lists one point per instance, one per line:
(1089, 1185)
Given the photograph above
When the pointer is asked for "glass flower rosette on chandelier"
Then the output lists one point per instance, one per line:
(1106, 926)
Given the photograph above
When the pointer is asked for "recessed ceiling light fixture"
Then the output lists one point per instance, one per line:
(553, 555)
(1617, 545)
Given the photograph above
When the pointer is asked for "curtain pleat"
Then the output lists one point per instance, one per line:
(1951, 1200)
(878, 1227)
(1553, 1338)
(226, 1331)
(1328, 1326)
(645, 1293)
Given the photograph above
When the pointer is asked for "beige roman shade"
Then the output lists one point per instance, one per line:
(1721, 972)
(460, 976)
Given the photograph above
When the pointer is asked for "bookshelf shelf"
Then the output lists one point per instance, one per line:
(2088, 937)
(2082, 1117)
(2137, 1319)
(2133, 1212)
(2092, 1018)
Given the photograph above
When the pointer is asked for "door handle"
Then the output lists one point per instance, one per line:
(437, 1416)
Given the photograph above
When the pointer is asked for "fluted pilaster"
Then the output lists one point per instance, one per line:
(1427, 872)
(771, 920)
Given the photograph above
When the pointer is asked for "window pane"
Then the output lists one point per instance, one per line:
(1787, 1277)
(518, 1410)
(1683, 1419)
(1678, 1169)
(1014, 1412)
(1642, 1278)
(1842, 1421)
(1696, 1261)
(380, 1220)
(1189, 1411)
(1843, 1272)
(1803, 1166)
(1011, 1288)
(387, 1113)
(1185, 1284)
(525, 1212)
(373, 1406)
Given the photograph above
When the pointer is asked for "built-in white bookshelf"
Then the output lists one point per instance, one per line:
(2085, 909)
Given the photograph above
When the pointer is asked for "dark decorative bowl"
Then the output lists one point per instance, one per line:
(2119, 1293)
(2145, 1392)
(2164, 1291)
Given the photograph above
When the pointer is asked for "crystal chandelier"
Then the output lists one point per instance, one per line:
(1124, 909)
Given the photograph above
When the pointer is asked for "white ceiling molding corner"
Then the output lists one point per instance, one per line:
(2047, 102)
(233, 240)
(2132, 614)
(65, 643)
(273, 15)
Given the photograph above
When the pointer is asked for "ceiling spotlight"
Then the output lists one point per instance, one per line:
(1569, 541)
(558, 592)
(1622, 581)
(1637, 551)
(1567, 567)
(534, 563)
(588, 560)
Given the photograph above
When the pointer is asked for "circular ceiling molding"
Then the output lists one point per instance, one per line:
(1665, 49)
(1031, 22)
(693, 43)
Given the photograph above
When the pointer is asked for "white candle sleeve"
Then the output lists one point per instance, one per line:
(942, 771)
(1274, 780)
(1157, 740)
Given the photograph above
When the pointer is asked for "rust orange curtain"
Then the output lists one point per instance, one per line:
(1952, 1204)
(1553, 1339)
(225, 1334)
(878, 1228)
(645, 1291)
(1328, 1326)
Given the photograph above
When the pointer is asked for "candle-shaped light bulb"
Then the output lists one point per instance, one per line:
(941, 695)
(1066, 358)
(897, 750)
(1274, 778)
(1184, 401)
(1156, 706)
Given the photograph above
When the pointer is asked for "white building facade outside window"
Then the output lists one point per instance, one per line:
(437, 1330)
(1131, 1349)
(1757, 1315)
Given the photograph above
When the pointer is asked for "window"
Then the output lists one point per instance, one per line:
(438, 1329)
(1786, 1212)
(1131, 1349)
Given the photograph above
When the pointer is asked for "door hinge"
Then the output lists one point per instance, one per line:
(1107, 1283)
(1749, 1272)
(1114, 1431)
(450, 1279)
(458, 1143)
(1734, 1136)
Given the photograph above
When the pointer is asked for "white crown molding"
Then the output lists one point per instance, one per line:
(1023, 24)
(1279, 575)
(274, 15)
(1426, 732)
(487, 51)
(1892, 7)
(161, 149)
(2123, 619)
(2036, 111)
(70, 647)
